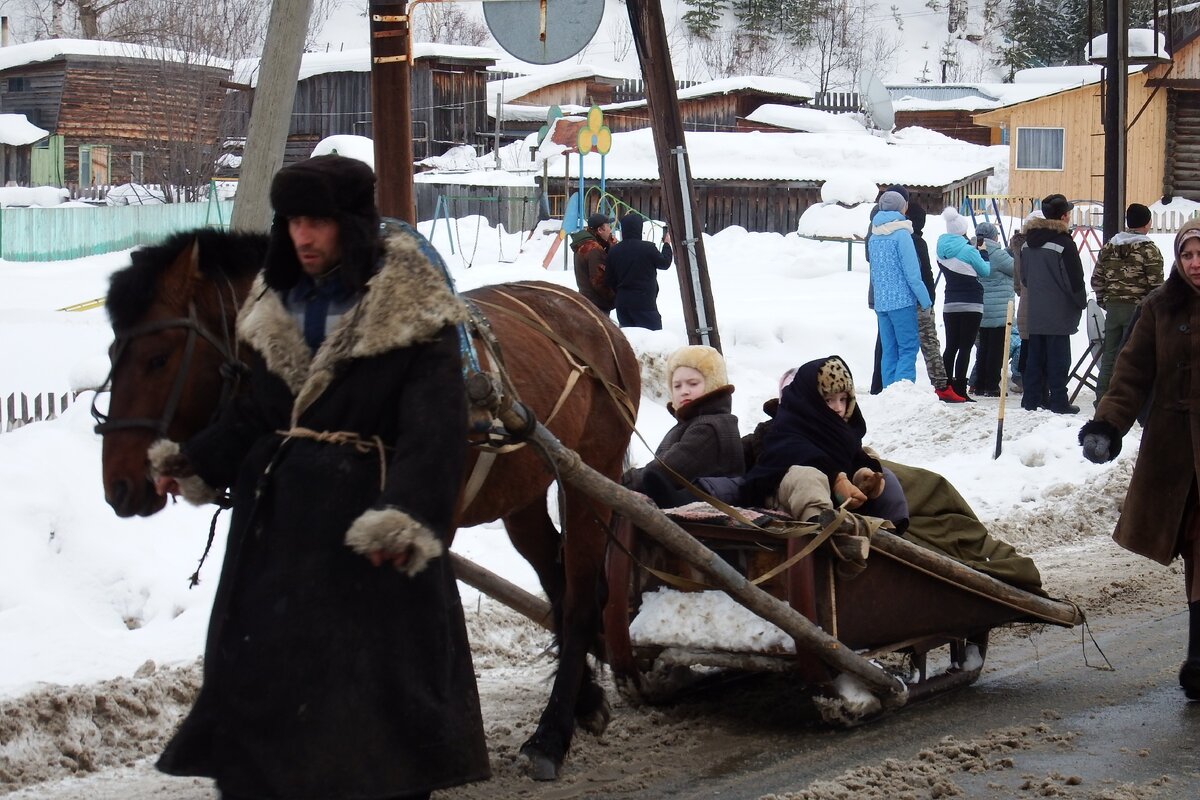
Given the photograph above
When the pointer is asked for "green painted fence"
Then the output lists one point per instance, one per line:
(56, 234)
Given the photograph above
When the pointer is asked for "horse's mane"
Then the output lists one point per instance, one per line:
(132, 290)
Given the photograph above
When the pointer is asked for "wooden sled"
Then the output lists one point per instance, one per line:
(908, 601)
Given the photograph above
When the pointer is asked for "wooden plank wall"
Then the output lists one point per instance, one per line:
(1079, 112)
(34, 90)
(956, 124)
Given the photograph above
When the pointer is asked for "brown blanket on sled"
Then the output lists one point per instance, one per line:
(942, 521)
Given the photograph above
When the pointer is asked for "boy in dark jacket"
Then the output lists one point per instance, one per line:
(632, 274)
(705, 440)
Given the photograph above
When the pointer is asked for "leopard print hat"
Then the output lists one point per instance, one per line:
(833, 377)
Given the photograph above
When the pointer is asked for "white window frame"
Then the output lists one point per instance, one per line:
(137, 165)
(1062, 153)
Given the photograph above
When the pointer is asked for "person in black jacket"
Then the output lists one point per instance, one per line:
(632, 263)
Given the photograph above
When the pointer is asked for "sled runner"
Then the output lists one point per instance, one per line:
(909, 601)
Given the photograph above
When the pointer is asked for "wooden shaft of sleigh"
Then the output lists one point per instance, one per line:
(502, 591)
(809, 637)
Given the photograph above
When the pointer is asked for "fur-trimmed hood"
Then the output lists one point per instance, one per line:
(406, 301)
(1039, 231)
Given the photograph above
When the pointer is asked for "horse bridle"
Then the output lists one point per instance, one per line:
(232, 369)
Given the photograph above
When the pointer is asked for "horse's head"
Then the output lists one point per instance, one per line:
(174, 355)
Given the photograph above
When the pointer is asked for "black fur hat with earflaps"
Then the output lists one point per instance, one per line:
(334, 187)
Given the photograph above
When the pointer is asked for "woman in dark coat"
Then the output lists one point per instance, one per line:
(1160, 518)
(705, 442)
(326, 675)
(632, 273)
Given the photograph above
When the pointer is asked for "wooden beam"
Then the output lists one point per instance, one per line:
(272, 114)
(674, 171)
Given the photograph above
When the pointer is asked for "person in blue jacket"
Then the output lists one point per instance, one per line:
(962, 306)
(899, 290)
(991, 350)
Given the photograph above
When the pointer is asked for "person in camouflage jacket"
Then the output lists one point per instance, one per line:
(1128, 267)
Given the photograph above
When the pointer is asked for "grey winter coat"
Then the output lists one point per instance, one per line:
(997, 285)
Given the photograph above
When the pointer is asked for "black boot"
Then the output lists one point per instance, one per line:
(1189, 673)
(960, 386)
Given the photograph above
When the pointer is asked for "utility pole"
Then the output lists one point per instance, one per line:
(271, 113)
(674, 171)
(391, 107)
(1116, 14)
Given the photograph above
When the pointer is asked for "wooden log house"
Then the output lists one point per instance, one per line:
(115, 112)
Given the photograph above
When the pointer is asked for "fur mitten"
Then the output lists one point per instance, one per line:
(844, 489)
(869, 482)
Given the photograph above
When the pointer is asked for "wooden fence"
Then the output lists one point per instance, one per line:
(56, 233)
(19, 410)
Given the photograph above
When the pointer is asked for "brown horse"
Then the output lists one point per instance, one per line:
(175, 361)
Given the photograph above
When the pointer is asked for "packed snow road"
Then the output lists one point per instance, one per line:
(1039, 722)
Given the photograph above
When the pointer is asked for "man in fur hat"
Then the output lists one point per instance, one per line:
(337, 663)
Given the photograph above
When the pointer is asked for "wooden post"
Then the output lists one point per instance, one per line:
(271, 115)
(674, 171)
(391, 108)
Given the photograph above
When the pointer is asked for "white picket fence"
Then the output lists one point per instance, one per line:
(20, 409)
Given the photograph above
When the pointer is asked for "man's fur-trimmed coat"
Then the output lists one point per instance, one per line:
(1161, 360)
(325, 676)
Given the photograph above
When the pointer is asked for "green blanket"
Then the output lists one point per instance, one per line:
(942, 521)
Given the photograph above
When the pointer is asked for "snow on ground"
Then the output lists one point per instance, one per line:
(85, 596)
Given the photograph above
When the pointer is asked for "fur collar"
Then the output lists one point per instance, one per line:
(406, 302)
(715, 402)
(1034, 223)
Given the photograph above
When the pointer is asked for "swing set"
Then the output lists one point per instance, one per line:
(446, 209)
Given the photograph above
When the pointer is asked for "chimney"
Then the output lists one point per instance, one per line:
(3, 31)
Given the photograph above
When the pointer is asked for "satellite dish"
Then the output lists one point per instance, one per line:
(876, 101)
(543, 31)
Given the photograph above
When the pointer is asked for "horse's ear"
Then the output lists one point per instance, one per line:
(181, 277)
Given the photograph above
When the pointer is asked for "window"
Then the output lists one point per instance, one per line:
(136, 167)
(1040, 148)
(93, 165)
(17, 85)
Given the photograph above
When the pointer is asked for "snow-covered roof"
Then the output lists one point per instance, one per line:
(805, 119)
(516, 112)
(17, 130)
(534, 79)
(359, 60)
(1038, 82)
(782, 87)
(908, 160)
(19, 55)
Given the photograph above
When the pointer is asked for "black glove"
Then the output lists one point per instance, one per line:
(1097, 448)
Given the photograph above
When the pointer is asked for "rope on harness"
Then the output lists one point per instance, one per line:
(224, 503)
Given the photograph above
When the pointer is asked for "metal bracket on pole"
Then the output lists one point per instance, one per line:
(689, 244)
(388, 59)
(389, 18)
